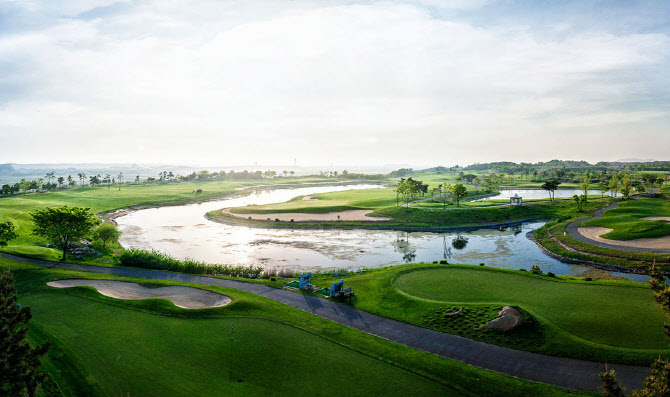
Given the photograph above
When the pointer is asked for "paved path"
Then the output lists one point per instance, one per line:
(573, 230)
(563, 372)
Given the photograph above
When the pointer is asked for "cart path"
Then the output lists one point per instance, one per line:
(564, 372)
(573, 230)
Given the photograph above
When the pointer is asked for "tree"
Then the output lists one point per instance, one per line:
(459, 191)
(107, 233)
(63, 225)
(82, 178)
(50, 175)
(585, 185)
(580, 200)
(614, 184)
(550, 186)
(603, 186)
(60, 181)
(6, 233)
(21, 374)
(120, 179)
(625, 186)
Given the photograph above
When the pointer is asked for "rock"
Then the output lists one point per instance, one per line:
(508, 318)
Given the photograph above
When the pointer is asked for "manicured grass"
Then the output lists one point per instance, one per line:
(106, 346)
(588, 252)
(626, 222)
(594, 320)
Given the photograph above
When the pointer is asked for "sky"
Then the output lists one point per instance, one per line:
(423, 82)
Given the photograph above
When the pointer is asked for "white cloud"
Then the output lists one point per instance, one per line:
(224, 83)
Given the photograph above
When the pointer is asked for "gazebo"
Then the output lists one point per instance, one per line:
(515, 200)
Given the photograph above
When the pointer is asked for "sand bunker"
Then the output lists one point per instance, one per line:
(509, 318)
(184, 297)
(309, 198)
(657, 218)
(594, 233)
(351, 215)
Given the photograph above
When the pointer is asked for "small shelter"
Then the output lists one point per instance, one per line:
(516, 200)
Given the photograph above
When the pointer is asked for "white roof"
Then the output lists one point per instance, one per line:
(516, 196)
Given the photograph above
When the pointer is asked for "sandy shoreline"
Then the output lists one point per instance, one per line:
(184, 297)
(351, 215)
(594, 233)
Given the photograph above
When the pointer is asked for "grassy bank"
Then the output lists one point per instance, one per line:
(151, 347)
(612, 321)
(626, 219)
(402, 217)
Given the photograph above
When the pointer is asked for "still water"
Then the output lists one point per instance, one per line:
(184, 232)
(539, 193)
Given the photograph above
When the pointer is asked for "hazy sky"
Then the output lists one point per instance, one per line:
(426, 83)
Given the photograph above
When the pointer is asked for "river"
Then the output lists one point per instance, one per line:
(184, 232)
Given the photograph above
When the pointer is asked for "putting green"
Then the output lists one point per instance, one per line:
(616, 315)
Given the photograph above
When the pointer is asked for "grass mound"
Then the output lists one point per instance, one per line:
(467, 323)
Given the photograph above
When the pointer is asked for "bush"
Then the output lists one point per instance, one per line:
(444, 262)
(535, 269)
(550, 274)
(523, 270)
(158, 260)
(588, 279)
(481, 264)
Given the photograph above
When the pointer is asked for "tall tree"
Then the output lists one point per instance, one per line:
(459, 191)
(63, 225)
(585, 185)
(120, 179)
(107, 233)
(551, 186)
(20, 373)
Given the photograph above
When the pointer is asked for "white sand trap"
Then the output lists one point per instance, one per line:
(594, 233)
(657, 218)
(309, 198)
(351, 215)
(185, 297)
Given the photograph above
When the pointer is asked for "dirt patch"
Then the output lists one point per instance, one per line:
(351, 215)
(184, 297)
(594, 233)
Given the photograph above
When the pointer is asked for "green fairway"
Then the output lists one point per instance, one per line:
(626, 222)
(609, 321)
(103, 347)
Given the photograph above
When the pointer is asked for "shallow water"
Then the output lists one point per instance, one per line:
(539, 193)
(184, 232)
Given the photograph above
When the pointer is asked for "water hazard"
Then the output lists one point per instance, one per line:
(184, 232)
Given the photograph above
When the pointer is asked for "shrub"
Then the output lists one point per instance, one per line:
(444, 262)
(523, 270)
(435, 262)
(535, 269)
(481, 264)
(276, 219)
(550, 274)
(158, 260)
(588, 279)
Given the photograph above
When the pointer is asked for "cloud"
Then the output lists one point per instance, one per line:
(367, 83)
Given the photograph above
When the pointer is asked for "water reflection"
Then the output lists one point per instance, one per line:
(183, 232)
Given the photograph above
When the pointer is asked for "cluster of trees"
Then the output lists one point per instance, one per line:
(409, 189)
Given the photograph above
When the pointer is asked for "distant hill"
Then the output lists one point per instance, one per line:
(633, 160)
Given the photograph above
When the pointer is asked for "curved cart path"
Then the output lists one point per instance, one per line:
(573, 230)
(559, 371)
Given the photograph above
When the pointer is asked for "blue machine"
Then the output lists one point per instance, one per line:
(305, 280)
(336, 288)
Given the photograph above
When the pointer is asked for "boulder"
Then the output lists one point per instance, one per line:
(508, 318)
